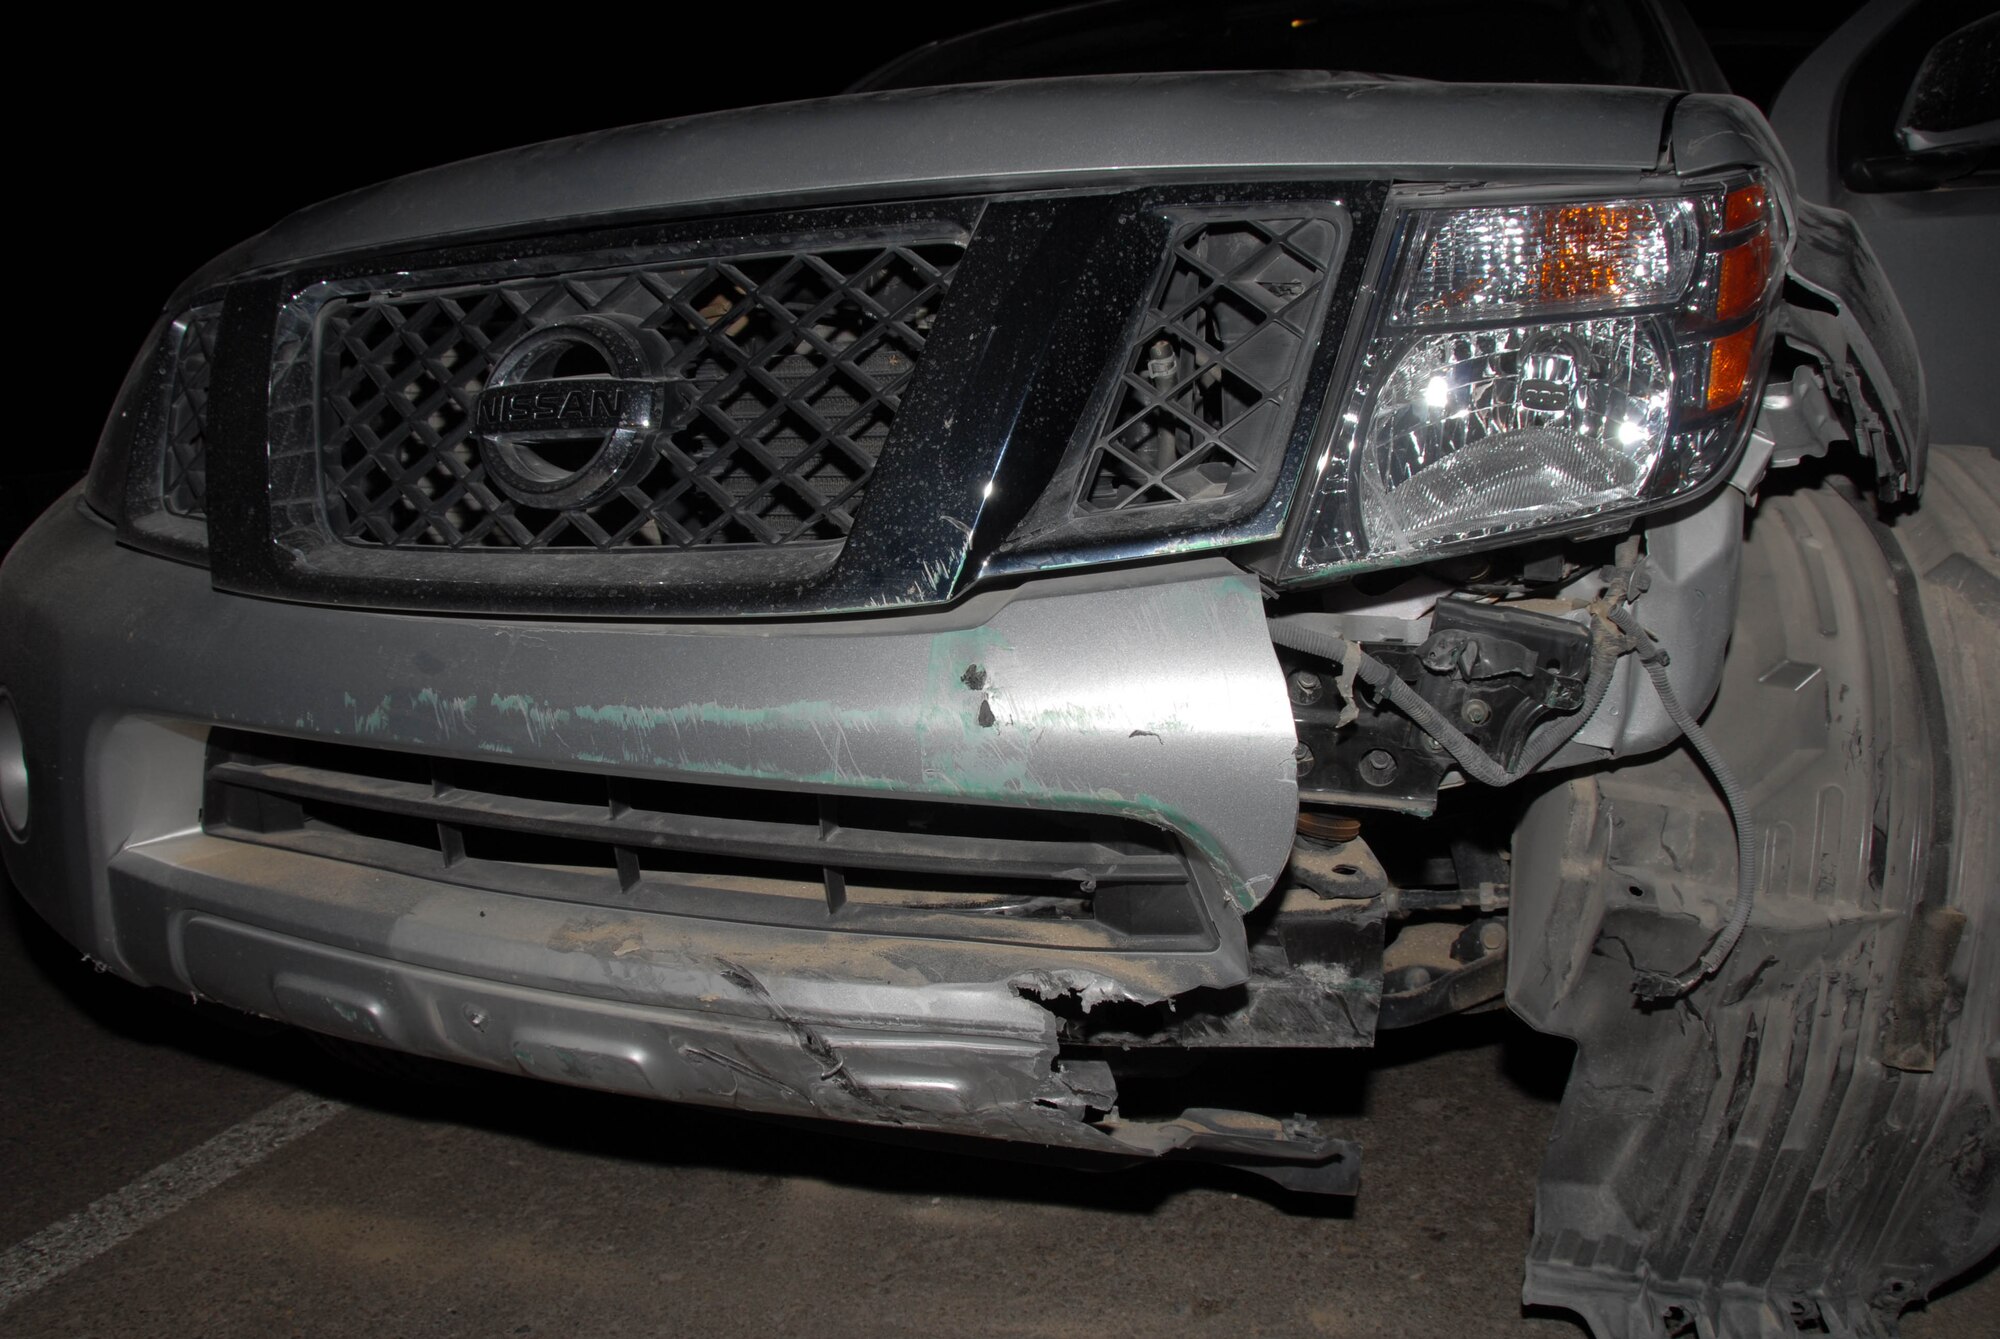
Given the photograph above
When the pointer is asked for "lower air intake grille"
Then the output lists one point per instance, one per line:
(919, 868)
(793, 364)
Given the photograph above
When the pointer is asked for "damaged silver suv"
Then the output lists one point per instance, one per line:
(908, 608)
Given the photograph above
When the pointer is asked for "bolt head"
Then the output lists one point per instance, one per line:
(1378, 767)
(1306, 688)
(1303, 756)
(1475, 711)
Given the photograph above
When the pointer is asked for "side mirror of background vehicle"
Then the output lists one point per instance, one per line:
(1928, 216)
(1955, 101)
(1949, 125)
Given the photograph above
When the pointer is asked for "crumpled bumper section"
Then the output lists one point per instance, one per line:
(1156, 698)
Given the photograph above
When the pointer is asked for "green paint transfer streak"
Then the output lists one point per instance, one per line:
(450, 713)
(793, 715)
(376, 722)
(538, 719)
(955, 754)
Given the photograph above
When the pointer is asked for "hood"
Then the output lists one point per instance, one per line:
(984, 137)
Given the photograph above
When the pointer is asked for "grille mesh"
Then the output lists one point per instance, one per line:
(796, 360)
(1204, 398)
(184, 422)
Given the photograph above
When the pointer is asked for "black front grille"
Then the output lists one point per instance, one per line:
(796, 361)
(1207, 393)
(881, 865)
(184, 417)
(805, 411)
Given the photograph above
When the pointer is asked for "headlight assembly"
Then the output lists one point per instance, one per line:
(1545, 366)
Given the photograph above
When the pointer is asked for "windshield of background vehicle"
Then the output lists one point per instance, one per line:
(1495, 41)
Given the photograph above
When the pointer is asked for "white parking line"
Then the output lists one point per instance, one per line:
(94, 1229)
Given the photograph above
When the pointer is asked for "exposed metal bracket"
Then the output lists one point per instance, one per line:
(1795, 422)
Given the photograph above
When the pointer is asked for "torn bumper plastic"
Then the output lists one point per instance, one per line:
(747, 1017)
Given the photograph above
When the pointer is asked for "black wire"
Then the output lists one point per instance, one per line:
(1659, 987)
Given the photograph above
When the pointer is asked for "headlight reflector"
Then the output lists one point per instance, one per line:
(1506, 425)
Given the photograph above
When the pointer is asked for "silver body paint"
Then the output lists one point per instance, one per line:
(1153, 695)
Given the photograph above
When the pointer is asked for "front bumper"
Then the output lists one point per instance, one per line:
(1151, 695)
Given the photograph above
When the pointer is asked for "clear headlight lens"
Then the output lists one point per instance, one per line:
(1542, 366)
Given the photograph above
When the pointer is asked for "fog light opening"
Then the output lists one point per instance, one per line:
(13, 771)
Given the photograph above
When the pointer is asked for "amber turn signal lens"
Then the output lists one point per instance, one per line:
(1729, 367)
(1586, 248)
(1746, 269)
(1744, 206)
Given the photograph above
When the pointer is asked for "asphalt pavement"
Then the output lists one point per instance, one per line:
(167, 1170)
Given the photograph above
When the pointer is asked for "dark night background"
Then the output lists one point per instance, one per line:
(179, 143)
